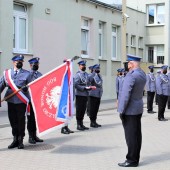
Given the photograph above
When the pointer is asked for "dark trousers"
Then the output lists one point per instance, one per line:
(88, 105)
(156, 99)
(94, 107)
(150, 98)
(16, 115)
(168, 103)
(133, 136)
(31, 125)
(162, 100)
(81, 104)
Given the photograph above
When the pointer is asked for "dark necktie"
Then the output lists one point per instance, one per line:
(15, 73)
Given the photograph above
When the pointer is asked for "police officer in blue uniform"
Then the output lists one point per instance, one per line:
(95, 95)
(31, 125)
(150, 88)
(130, 107)
(16, 107)
(82, 87)
(162, 88)
(156, 97)
(119, 81)
(91, 71)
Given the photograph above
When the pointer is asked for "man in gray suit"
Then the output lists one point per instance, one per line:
(163, 91)
(150, 88)
(130, 107)
(14, 79)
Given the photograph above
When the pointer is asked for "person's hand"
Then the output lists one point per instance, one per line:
(93, 87)
(122, 116)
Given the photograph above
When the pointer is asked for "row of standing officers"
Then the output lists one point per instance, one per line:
(157, 87)
(16, 79)
(87, 88)
(130, 87)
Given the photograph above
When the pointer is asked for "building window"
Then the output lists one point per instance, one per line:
(160, 54)
(140, 42)
(150, 54)
(156, 14)
(101, 39)
(114, 42)
(127, 39)
(160, 59)
(133, 40)
(156, 54)
(85, 37)
(20, 28)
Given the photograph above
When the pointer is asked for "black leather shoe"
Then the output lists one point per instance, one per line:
(85, 128)
(98, 125)
(37, 139)
(162, 119)
(64, 131)
(151, 112)
(31, 140)
(94, 125)
(79, 127)
(127, 164)
(70, 131)
(14, 144)
(20, 146)
(20, 143)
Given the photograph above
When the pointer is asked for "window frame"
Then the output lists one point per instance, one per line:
(86, 28)
(155, 14)
(114, 34)
(140, 42)
(133, 41)
(156, 54)
(17, 15)
(101, 43)
(149, 60)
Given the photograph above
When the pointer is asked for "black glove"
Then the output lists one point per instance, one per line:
(122, 116)
(24, 88)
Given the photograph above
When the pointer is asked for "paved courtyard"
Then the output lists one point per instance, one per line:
(95, 149)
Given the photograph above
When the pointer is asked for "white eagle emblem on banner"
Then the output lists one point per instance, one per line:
(52, 100)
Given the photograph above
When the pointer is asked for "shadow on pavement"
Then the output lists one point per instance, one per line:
(156, 158)
(74, 149)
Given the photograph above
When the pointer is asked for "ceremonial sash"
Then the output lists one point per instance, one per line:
(20, 95)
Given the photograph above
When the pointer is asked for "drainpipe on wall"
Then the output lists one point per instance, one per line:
(124, 20)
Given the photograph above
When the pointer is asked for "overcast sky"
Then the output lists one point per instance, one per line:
(111, 1)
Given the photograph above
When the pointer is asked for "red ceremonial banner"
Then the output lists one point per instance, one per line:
(45, 95)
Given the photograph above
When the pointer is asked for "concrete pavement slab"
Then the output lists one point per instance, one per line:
(94, 149)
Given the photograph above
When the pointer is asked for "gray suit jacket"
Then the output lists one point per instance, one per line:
(81, 81)
(150, 82)
(162, 85)
(20, 80)
(34, 75)
(131, 98)
(96, 80)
